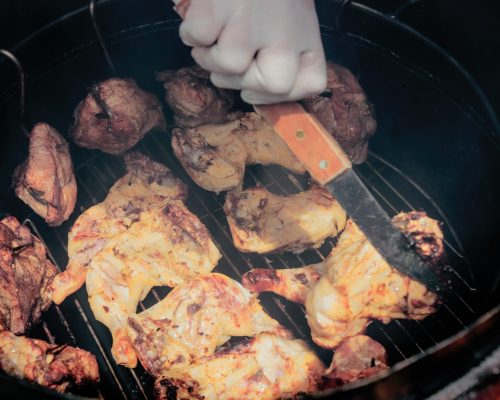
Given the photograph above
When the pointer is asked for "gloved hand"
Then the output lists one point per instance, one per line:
(271, 50)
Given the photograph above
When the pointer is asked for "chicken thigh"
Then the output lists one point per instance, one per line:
(195, 318)
(215, 156)
(263, 222)
(167, 246)
(355, 284)
(266, 367)
(146, 185)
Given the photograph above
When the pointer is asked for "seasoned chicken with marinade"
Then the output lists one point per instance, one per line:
(266, 367)
(46, 181)
(263, 222)
(55, 367)
(25, 277)
(356, 284)
(147, 185)
(167, 246)
(215, 155)
(195, 318)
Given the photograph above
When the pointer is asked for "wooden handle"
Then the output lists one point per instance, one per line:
(308, 139)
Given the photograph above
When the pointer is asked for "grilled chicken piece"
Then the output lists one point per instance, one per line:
(356, 358)
(55, 367)
(215, 156)
(356, 285)
(147, 185)
(266, 367)
(263, 222)
(168, 246)
(193, 320)
(25, 276)
(46, 181)
(115, 115)
(291, 283)
(194, 99)
(345, 112)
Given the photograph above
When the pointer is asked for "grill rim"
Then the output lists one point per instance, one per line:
(347, 386)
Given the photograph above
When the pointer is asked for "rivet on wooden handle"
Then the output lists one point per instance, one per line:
(308, 139)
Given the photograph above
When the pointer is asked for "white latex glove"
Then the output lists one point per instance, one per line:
(271, 50)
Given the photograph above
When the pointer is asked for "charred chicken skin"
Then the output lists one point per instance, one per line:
(268, 366)
(194, 99)
(345, 112)
(115, 115)
(355, 284)
(25, 277)
(263, 222)
(46, 181)
(356, 358)
(195, 318)
(147, 185)
(215, 155)
(55, 367)
(168, 246)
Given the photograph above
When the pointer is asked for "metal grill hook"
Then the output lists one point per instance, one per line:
(99, 36)
(21, 82)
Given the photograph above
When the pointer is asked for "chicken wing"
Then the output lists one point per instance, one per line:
(46, 181)
(215, 156)
(263, 222)
(355, 284)
(146, 186)
(266, 367)
(168, 246)
(194, 99)
(115, 115)
(193, 320)
(25, 276)
(55, 367)
(345, 112)
(356, 358)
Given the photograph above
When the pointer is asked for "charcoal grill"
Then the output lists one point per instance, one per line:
(421, 158)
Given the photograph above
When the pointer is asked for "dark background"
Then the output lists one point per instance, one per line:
(469, 30)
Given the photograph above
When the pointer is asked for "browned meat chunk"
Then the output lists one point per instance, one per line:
(55, 367)
(115, 115)
(345, 112)
(356, 358)
(193, 98)
(25, 276)
(46, 181)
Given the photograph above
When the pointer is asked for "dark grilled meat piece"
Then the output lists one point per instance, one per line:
(356, 358)
(115, 115)
(55, 367)
(194, 99)
(46, 181)
(345, 112)
(25, 277)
